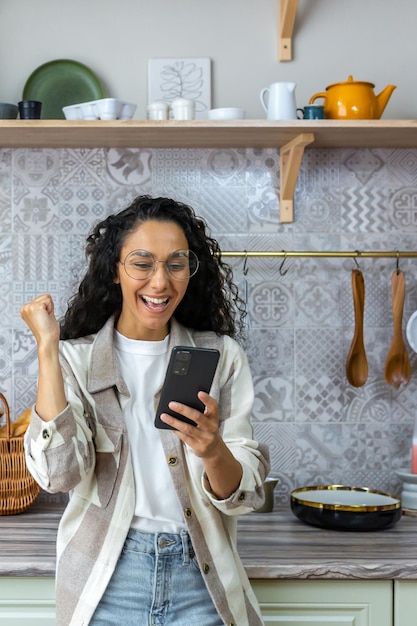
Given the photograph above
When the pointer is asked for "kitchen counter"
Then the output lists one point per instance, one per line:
(278, 545)
(272, 545)
(28, 540)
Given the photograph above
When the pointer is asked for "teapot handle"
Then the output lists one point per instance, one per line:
(262, 97)
(322, 94)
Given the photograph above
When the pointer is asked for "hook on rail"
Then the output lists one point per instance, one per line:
(355, 258)
(245, 264)
(281, 272)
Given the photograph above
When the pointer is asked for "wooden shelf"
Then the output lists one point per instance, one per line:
(206, 134)
(292, 137)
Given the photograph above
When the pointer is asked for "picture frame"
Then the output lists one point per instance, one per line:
(182, 77)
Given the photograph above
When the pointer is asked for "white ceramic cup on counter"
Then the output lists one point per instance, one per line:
(409, 491)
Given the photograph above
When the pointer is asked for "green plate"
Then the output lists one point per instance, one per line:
(60, 83)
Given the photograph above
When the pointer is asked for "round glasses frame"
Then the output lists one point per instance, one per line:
(180, 265)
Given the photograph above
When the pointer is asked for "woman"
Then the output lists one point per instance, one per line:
(148, 535)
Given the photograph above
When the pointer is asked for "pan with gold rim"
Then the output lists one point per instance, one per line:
(339, 507)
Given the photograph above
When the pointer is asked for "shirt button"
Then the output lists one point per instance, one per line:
(45, 433)
(206, 568)
(172, 460)
(188, 513)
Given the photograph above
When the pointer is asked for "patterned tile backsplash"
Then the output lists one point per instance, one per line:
(299, 311)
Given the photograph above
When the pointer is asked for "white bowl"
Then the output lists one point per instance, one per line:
(103, 109)
(227, 113)
(412, 331)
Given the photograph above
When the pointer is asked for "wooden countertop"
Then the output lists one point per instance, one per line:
(272, 545)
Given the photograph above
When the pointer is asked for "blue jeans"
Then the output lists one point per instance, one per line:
(157, 582)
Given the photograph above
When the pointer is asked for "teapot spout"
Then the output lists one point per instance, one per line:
(382, 99)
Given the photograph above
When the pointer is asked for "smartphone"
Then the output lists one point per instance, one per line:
(189, 371)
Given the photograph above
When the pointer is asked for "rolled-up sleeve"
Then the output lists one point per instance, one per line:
(235, 407)
(59, 453)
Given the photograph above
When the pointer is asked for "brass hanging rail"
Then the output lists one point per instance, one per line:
(358, 254)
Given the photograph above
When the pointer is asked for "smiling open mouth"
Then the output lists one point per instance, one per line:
(155, 303)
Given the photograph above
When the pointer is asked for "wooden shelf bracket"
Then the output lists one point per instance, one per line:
(287, 12)
(291, 155)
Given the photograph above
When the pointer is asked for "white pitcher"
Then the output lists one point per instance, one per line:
(281, 101)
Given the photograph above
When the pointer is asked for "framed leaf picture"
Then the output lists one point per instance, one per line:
(181, 78)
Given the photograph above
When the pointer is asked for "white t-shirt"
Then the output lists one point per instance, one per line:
(143, 365)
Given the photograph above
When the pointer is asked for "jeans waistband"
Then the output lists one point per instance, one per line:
(161, 544)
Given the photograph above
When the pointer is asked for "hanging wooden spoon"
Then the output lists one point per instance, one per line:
(357, 363)
(397, 365)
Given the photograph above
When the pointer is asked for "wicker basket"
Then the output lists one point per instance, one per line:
(18, 489)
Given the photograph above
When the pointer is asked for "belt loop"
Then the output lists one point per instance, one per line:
(185, 548)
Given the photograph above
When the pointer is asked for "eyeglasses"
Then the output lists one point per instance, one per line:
(141, 264)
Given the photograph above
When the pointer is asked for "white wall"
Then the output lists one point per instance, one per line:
(374, 40)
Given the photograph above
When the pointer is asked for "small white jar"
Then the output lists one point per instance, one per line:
(183, 109)
(158, 110)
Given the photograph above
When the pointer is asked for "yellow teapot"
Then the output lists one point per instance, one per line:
(353, 100)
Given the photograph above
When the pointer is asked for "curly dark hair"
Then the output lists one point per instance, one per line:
(211, 301)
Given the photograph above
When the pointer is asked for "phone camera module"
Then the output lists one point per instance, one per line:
(182, 363)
